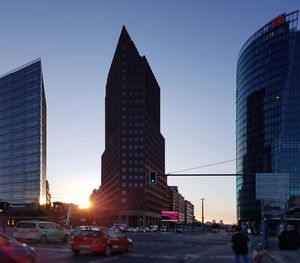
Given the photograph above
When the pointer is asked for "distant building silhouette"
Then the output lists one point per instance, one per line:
(23, 135)
(134, 144)
(268, 113)
(177, 203)
(188, 212)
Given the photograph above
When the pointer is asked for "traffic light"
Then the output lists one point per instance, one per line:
(152, 177)
(4, 206)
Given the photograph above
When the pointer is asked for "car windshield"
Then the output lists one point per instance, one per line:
(26, 225)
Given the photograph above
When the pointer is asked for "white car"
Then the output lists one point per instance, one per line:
(132, 229)
(40, 231)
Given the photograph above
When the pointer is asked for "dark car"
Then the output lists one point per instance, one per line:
(100, 239)
(12, 251)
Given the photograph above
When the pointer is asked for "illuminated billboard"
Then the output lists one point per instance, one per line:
(170, 216)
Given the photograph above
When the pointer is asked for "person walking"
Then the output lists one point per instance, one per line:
(239, 243)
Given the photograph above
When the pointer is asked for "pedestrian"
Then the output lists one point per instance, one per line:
(239, 243)
(289, 238)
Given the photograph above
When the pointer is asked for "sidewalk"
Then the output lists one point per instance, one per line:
(272, 253)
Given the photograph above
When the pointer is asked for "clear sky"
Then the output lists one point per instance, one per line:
(192, 48)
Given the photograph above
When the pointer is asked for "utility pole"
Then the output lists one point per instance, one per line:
(202, 199)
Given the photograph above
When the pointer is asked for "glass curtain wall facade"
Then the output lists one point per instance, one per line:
(268, 112)
(23, 135)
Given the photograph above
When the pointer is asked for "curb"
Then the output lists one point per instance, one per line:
(271, 256)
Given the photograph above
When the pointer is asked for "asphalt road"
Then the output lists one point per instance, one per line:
(161, 248)
(149, 247)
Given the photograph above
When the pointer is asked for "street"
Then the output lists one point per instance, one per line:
(164, 247)
(161, 247)
(150, 247)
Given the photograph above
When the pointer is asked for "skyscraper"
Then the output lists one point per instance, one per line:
(133, 142)
(23, 135)
(268, 116)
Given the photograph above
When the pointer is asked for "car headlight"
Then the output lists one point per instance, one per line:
(129, 240)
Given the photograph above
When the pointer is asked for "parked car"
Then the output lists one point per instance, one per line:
(120, 226)
(163, 229)
(12, 251)
(141, 229)
(132, 229)
(154, 228)
(102, 240)
(40, 231)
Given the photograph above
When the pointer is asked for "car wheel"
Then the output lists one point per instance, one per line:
(107, 251)
(66, 237)
(129, 248)
(75, 251)
(43, 239)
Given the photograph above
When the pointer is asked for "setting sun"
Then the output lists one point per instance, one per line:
(84, 204)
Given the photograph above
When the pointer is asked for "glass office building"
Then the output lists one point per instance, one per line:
(268, 113)
(23, 135)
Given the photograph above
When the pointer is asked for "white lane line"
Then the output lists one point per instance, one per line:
(104, 260)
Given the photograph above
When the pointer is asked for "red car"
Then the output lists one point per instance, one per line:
(100, 239)
(12, 251)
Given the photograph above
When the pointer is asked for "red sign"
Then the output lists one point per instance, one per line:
(169, 216)
(278, 21)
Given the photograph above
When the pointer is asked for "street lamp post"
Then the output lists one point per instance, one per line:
(202, 199)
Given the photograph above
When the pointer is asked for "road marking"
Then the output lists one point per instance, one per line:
(163, 257)
(104, 260)
(167, 257)
(191, 256)
(136, 255)
(221, 257)
(152, 256)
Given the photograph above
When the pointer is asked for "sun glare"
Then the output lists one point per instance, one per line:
(84, 204)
